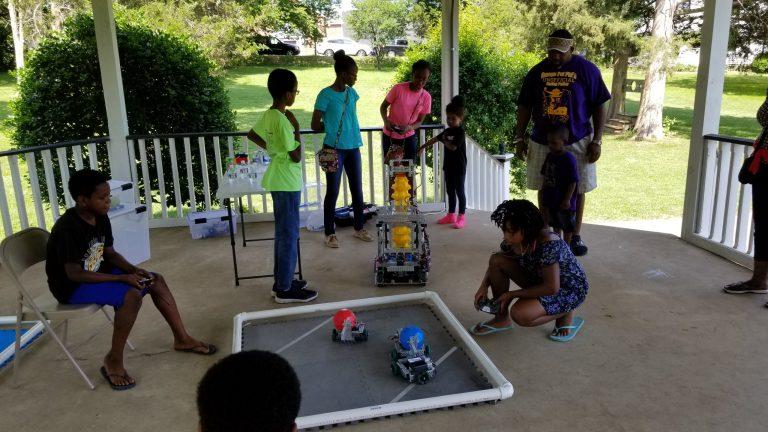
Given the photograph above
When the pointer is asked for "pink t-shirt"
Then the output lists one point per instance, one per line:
(405, 107)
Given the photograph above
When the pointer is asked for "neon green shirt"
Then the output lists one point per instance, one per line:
(283, 174)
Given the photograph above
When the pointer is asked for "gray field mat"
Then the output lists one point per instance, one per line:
(336, 376)
(350, 382)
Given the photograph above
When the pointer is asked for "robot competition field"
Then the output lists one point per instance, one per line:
(337, 377)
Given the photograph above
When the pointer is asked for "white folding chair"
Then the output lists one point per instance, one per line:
(19, 252)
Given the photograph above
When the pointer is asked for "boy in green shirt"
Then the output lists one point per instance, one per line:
(277, 131)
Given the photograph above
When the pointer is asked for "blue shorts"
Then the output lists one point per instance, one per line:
(103, 293)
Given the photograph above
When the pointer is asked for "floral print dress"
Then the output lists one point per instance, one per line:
(573, 280)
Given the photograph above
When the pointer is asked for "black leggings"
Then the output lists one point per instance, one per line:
(760, 218)
(454, 185)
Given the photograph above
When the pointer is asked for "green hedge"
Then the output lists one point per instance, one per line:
(490, 82)
(169, 87)
(760, 63)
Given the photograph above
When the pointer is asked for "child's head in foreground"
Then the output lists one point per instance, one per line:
(90, 191)
(519, 220)
(249, 391)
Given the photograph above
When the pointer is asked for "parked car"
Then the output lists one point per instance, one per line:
(275, 46)
(329, 46)
(396, 48)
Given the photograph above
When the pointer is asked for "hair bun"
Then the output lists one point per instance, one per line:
(338, 55)
(458, 100)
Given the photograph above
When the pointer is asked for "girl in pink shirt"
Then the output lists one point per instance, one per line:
(404, 109)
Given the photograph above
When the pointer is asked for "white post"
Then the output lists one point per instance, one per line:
(112, 83)
(450, 55)
(506, 162)
(707, 104)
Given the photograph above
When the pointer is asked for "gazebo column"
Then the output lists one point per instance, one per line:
(707, 104)
(112, 83)
(449, 73)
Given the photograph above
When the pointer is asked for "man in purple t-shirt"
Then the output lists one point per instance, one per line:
(563, 89)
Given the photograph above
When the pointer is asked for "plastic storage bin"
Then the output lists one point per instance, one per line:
(213, 223)
(122, 194)
(130, 228)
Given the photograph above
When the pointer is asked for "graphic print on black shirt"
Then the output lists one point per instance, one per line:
(73, 240)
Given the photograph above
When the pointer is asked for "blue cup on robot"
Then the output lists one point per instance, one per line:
(405, 337)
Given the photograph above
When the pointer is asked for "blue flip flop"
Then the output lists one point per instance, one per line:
(491, 329)
(574, 328)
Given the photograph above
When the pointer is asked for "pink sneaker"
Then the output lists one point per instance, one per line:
(460, 222)
(447, 219)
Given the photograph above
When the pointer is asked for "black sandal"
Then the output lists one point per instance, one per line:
(107, 376)
(211, 349)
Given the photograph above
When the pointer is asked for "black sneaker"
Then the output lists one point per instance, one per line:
(295, 296)
(743, 288)
(577, 246)
(295, 284)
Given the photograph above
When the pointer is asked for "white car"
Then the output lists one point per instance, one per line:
(329, 46)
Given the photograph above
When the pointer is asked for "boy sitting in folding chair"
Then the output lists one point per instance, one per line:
(84, 268)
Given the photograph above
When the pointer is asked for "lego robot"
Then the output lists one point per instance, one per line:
(410, 356)
(347, 329)
(403, 244)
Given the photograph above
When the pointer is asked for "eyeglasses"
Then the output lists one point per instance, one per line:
(297, 92)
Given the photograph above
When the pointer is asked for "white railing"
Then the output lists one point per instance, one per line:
(193, 163)
(46, 175)
(487, 183)
(722, 221)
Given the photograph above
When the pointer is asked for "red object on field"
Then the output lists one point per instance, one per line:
(341, 316)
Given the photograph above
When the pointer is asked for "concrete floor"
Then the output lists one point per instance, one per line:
(662, 348)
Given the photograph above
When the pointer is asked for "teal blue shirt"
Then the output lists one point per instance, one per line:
(331, 103)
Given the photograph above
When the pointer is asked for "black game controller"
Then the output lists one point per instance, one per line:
(490, 306)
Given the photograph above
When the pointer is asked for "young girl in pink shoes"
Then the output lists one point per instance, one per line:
(454, 163)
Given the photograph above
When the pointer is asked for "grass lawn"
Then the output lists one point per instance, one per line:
(637, 180)
(646, 180)
(249, 96)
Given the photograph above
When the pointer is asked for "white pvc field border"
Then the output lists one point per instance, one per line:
(502, 389)
(26, 338)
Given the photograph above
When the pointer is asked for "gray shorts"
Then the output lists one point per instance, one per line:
(538, 152)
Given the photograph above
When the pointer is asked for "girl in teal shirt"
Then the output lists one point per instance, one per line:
(336, 115)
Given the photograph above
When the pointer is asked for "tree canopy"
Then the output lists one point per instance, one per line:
(379, 21)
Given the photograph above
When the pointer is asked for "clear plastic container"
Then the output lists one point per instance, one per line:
(214, 223)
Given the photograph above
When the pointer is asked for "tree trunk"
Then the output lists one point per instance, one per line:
(649, 119)
(17, 32)
(618, 95)
(58, 14)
